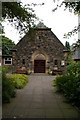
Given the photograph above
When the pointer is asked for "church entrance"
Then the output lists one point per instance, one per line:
(39, 66)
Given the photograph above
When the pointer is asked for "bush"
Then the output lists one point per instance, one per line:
(60, 81)
(19, 80)
(8, 69)
(8, 89)
(9, 83)
(73, 69)
(69, 84)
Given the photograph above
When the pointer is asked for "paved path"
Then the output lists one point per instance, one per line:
(39, 100)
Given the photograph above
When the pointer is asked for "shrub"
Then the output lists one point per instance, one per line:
(9, 83)
(8, 89)
(69, 84)
(19, 80)
(8, 69)
(60, 81)
(73, 69)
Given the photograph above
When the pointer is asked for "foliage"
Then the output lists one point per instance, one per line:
(67, 45)
(7, 45)
(73, 32)
(70, 59)
(73, 5)
(74, 69)
(21, 16)
(76, 45)
(69, 84)
(59, 82)
(8, 69)
(19, 80)
(8, 89)
(10, 83)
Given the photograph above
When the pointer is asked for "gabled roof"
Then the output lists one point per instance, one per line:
(41, 27)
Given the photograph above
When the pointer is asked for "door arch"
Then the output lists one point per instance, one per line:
(39, 62)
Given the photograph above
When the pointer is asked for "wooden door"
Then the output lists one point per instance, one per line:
(39, 66)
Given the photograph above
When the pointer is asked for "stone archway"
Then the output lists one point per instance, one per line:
(39, 62)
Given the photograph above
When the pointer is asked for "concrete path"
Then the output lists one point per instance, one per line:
(39, 100)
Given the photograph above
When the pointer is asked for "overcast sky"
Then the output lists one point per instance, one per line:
(59, 21)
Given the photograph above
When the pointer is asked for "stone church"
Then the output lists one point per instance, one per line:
(39, 51)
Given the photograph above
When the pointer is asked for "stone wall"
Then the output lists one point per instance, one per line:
(44, 42)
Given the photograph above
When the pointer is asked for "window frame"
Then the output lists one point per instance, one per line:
(7, 59)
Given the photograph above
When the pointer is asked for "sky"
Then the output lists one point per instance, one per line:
(60, 21)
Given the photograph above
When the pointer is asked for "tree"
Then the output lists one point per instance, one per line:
(69, 4)
(69, 57)
(67, 45)
(76, 45)
(73, 7)
(21, 16)
(7, 45)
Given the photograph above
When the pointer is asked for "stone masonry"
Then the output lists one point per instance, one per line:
(39, 43)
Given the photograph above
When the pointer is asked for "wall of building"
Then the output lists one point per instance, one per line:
(41, 41)
(76, 54)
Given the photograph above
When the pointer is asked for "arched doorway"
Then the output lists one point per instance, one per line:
(39, 63)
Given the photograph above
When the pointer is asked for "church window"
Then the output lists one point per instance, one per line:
(23, 61)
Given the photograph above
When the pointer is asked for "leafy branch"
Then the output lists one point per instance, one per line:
(73, 32)
(22, 17)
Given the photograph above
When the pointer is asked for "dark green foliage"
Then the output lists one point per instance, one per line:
(20, 16)
(19, 80)
(59, 82)
(73, 5)
(74, 69)
(10, 83)
(8, 89)
(8, 69)
(7, 45)
(67, 45)
(69, 84)
(76, 45)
